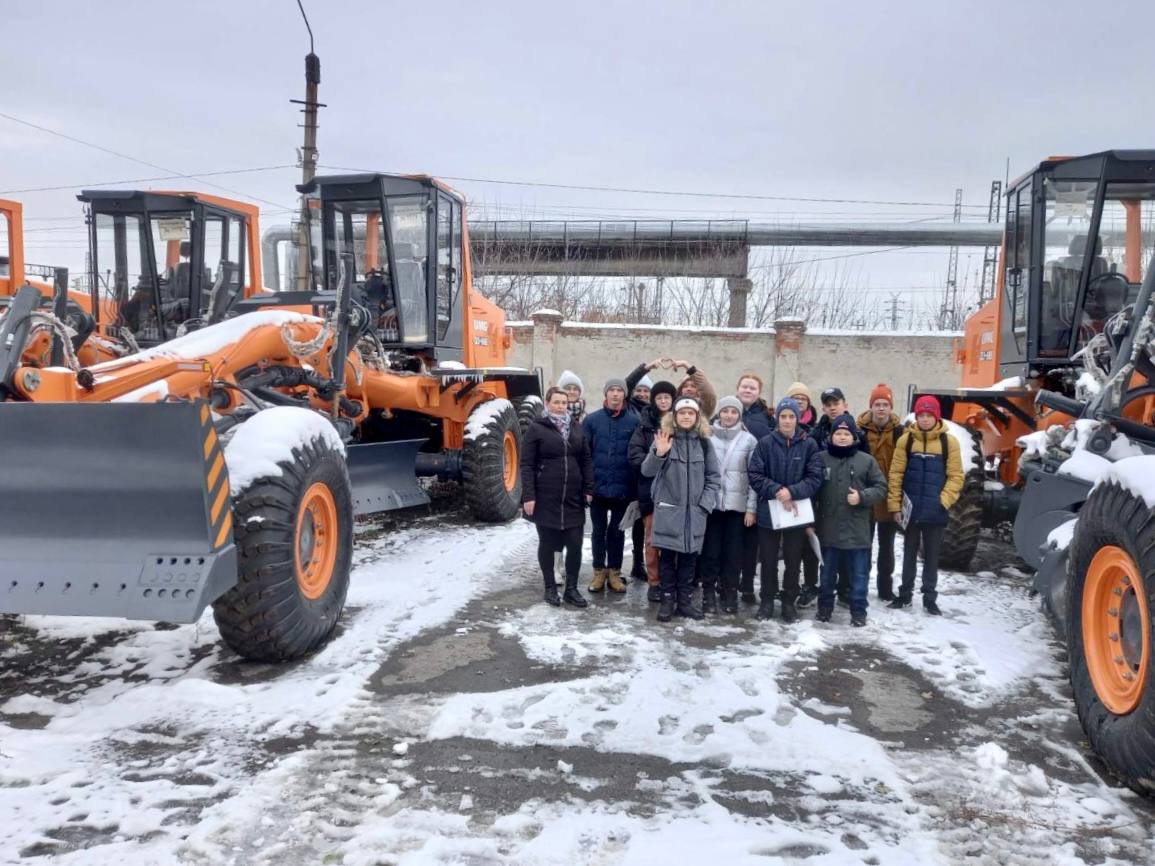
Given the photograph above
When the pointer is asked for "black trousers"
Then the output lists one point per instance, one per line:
(549, 541)
(884, 570)
(930, 537)
(677, 572)
(749, 559)
(809, 566)
(792, 542)
(638, 536)
(721, 560)
(608, 539)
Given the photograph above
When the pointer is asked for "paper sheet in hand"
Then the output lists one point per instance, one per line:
(785, 518)
(907, 509)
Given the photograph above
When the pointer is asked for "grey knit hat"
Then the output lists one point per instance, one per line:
(730, 402)
(614, 382)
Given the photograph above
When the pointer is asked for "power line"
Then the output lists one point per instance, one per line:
(126, 156)
(638, 191)
(135, 180)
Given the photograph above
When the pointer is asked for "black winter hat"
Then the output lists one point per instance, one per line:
(663, 387)
(845, 421)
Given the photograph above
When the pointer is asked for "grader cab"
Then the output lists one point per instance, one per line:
(257, 423)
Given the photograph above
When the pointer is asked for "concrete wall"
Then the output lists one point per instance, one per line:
(853, 360)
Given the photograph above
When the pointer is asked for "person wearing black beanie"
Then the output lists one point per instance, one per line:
(853, 484)
(662, 396)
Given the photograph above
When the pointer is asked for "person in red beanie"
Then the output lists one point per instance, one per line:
(882, 429)
(927, 471)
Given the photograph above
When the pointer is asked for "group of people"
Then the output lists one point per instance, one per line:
(712, 488)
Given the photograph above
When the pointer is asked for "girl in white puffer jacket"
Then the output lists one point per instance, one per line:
(734, 514)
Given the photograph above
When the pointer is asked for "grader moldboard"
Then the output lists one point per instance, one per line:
(1059, 393)
(224, 465)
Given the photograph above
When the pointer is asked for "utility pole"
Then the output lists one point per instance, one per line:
(950, 295)
(895, 304)
(991, 254)
(307, 156)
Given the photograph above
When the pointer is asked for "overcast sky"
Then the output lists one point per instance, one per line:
(884, 100)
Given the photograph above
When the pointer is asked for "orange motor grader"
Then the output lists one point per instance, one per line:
(223, 463)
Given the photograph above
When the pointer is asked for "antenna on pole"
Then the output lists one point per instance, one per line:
(308, 155)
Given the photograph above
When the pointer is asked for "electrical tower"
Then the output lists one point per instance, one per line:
(991, 254)
(950, 294)
(895, 306)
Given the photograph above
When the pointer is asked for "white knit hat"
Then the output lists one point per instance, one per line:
(645, 382)
(569, 377)
(688, 403)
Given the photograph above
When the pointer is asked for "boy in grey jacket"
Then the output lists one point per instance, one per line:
(853, 484)
(685, 490)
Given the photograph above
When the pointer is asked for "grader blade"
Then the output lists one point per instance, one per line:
(384, 476)
(113, 509)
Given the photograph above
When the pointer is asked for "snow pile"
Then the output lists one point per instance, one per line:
(1135, 474)
(1037, 444)
(483, 417)
(140, 395)
(1079, 434)
(1122, 447)
(1088, 385)
(212, 339)
(451, 365)
(1084, 465)
(268, 438)
(1060, 537)
(1010, 384)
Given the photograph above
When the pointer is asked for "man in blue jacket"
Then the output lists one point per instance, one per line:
(608, 431)
(786, 467)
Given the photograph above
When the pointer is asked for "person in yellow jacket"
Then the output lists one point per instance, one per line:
(926, 478)
(883, 429)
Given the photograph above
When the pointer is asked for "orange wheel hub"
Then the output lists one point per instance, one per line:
(509, 457)
(315, 550)
(1116, 629)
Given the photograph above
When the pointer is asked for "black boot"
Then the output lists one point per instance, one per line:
(729, 602)
(551, 596)
(899, 602)
(654, 593)
(766, 609)
(885, 589)
(709, 601)
(666, 611)
(572, 596)
(823, 614)
(858, 619)
(789, 612)
(749, 598)
(687, 608)
(931, 606)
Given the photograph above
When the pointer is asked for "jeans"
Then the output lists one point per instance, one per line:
(856, 564)
(608, 539)
(549, 541)
(652, 576)
(930, 536)
(792, 542)
(677, 570)
(722, 550)
(885, 532)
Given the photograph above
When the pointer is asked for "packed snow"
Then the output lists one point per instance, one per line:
(1136, 474)
(152, 392)
(1011, 384)
(213, 338)
(1060, 537)
(257, 446)
(482, 417)
(1085, 466)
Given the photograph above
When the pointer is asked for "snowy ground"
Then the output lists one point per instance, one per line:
(457, 719)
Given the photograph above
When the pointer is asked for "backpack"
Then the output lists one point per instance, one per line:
(942, 441)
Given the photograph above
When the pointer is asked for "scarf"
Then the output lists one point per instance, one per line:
(841, 450)
(561, 422)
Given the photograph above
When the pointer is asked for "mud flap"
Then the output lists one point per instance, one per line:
(384, 476)
(1048, 501)
(113, 509)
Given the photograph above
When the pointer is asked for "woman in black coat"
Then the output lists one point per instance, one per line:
(557, 483)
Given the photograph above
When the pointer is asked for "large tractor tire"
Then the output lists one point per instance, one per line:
(1110, 608)
(294, 537)
(529, 408)
(965, 521)
(491, 462)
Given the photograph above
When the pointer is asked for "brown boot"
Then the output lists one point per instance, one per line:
(599, 582)
(615, 580)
